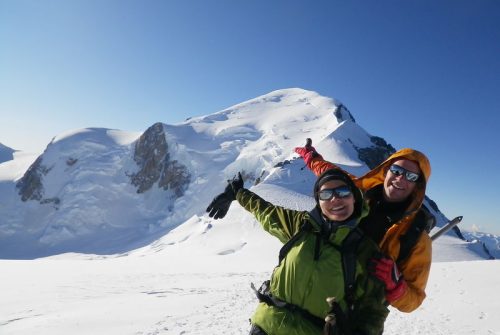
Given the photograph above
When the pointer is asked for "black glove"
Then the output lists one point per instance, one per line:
(220, 204)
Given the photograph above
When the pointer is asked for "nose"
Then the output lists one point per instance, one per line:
(334, 198)
(399, 177)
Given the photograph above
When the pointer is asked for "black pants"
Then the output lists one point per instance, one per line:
(256, 330)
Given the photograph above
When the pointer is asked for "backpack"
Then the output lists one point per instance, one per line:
(423, 221)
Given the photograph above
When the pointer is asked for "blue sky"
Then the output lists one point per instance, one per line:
(421, 74)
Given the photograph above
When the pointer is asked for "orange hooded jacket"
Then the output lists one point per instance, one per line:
(416, 267)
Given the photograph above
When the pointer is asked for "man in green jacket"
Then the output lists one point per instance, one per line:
(324, 255)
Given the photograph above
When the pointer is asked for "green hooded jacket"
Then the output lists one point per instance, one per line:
(305, 282)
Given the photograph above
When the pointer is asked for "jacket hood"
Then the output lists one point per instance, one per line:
(376, 176)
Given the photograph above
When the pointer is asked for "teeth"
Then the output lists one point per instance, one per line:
(336, 208)
(399, 188)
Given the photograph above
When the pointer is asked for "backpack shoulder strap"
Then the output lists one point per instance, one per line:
(423, 221)
(348, 250)
(305, 227)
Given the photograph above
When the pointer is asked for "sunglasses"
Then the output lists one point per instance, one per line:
(337, 192)
(398, 171)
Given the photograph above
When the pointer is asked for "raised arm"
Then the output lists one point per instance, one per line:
(315, 161)
(278, 221)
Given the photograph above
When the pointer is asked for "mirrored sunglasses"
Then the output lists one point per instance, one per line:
(337, 192)
(398, 171)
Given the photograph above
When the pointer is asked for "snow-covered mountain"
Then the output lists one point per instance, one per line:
(132, 252)
(105, 191)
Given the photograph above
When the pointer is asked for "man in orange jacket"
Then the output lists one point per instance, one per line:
(395, 190)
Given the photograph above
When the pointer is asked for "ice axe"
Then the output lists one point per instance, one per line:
(447, 227)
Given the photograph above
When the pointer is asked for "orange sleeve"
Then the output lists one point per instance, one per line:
(415, 271)
(318, 165)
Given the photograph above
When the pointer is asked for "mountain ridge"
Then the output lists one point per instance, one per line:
(98, 190)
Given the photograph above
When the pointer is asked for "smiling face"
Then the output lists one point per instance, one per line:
(336, 209)
(396, 187)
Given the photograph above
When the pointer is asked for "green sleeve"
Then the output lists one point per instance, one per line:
(278, 221)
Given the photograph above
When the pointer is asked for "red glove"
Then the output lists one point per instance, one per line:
(387, 271)
(307, 153)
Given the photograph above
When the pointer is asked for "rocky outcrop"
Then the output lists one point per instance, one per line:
(175, 177)
(155, 166)
(30, 186)
(342, 114)
(375, 154)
